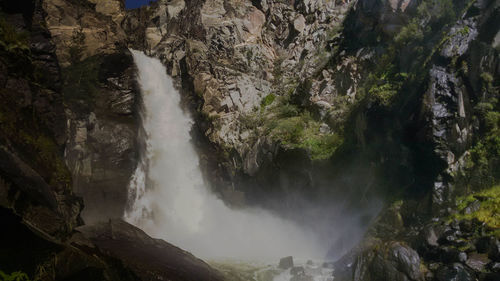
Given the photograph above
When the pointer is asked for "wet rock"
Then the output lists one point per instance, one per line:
(455, 272)
(494, 250)
(297, 270)
(102, 147)
(302, 278)
(148, 258)
(477, 261)
(386, 261)
(313, 270)
(286, 262)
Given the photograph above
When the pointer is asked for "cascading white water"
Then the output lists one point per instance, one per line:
(170, 200)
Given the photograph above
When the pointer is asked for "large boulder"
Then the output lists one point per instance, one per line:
(148, 258)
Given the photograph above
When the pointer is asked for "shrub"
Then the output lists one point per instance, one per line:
(488, 210)
(14, 276)
(267, 100)
(11, 40)
(303, 131)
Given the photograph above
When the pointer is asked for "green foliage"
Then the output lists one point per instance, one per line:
(81, 81)
(411, 32)
(421, 37)
(482, 166)
(488, 210)
(484, 160)
(303, 131)
(14, 276)
(487, 81)
(11, 40)
(267, 100)
(286, 110)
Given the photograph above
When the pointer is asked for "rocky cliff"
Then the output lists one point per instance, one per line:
(307, 95)
(328, 99)
(68, 129)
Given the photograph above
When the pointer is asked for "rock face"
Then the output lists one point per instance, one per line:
(93, 23)
(290, 98)
(101, 96)
(148, 258)
(72, 130)
(102, 146)
(286, 262)
(34, 182)
(387, 261)
(228, 56)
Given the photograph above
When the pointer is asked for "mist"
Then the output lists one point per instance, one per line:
(169, 199)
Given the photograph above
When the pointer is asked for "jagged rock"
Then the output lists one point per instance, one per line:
(494, 251)
(382, 261)
(286, 262)
(461, 36)
(102, 143)
(456, 272)
(297, 270)
(65, 19)
(148, 258)
(477, 261)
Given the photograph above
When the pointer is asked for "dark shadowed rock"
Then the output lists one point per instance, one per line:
(456, 272)
(494, 251)
(297, 270)
(483, 244)
(391, 261)
(148, 258)
(286, 262)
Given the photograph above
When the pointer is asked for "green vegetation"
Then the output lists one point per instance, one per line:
(488, 210)
(267, 100)
(81, 81)
(292, 126)
(482, 166)
(11, 40)
(14, 276)
(421, 38)
(302, 131)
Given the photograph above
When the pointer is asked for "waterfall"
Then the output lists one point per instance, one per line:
(170, 200)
